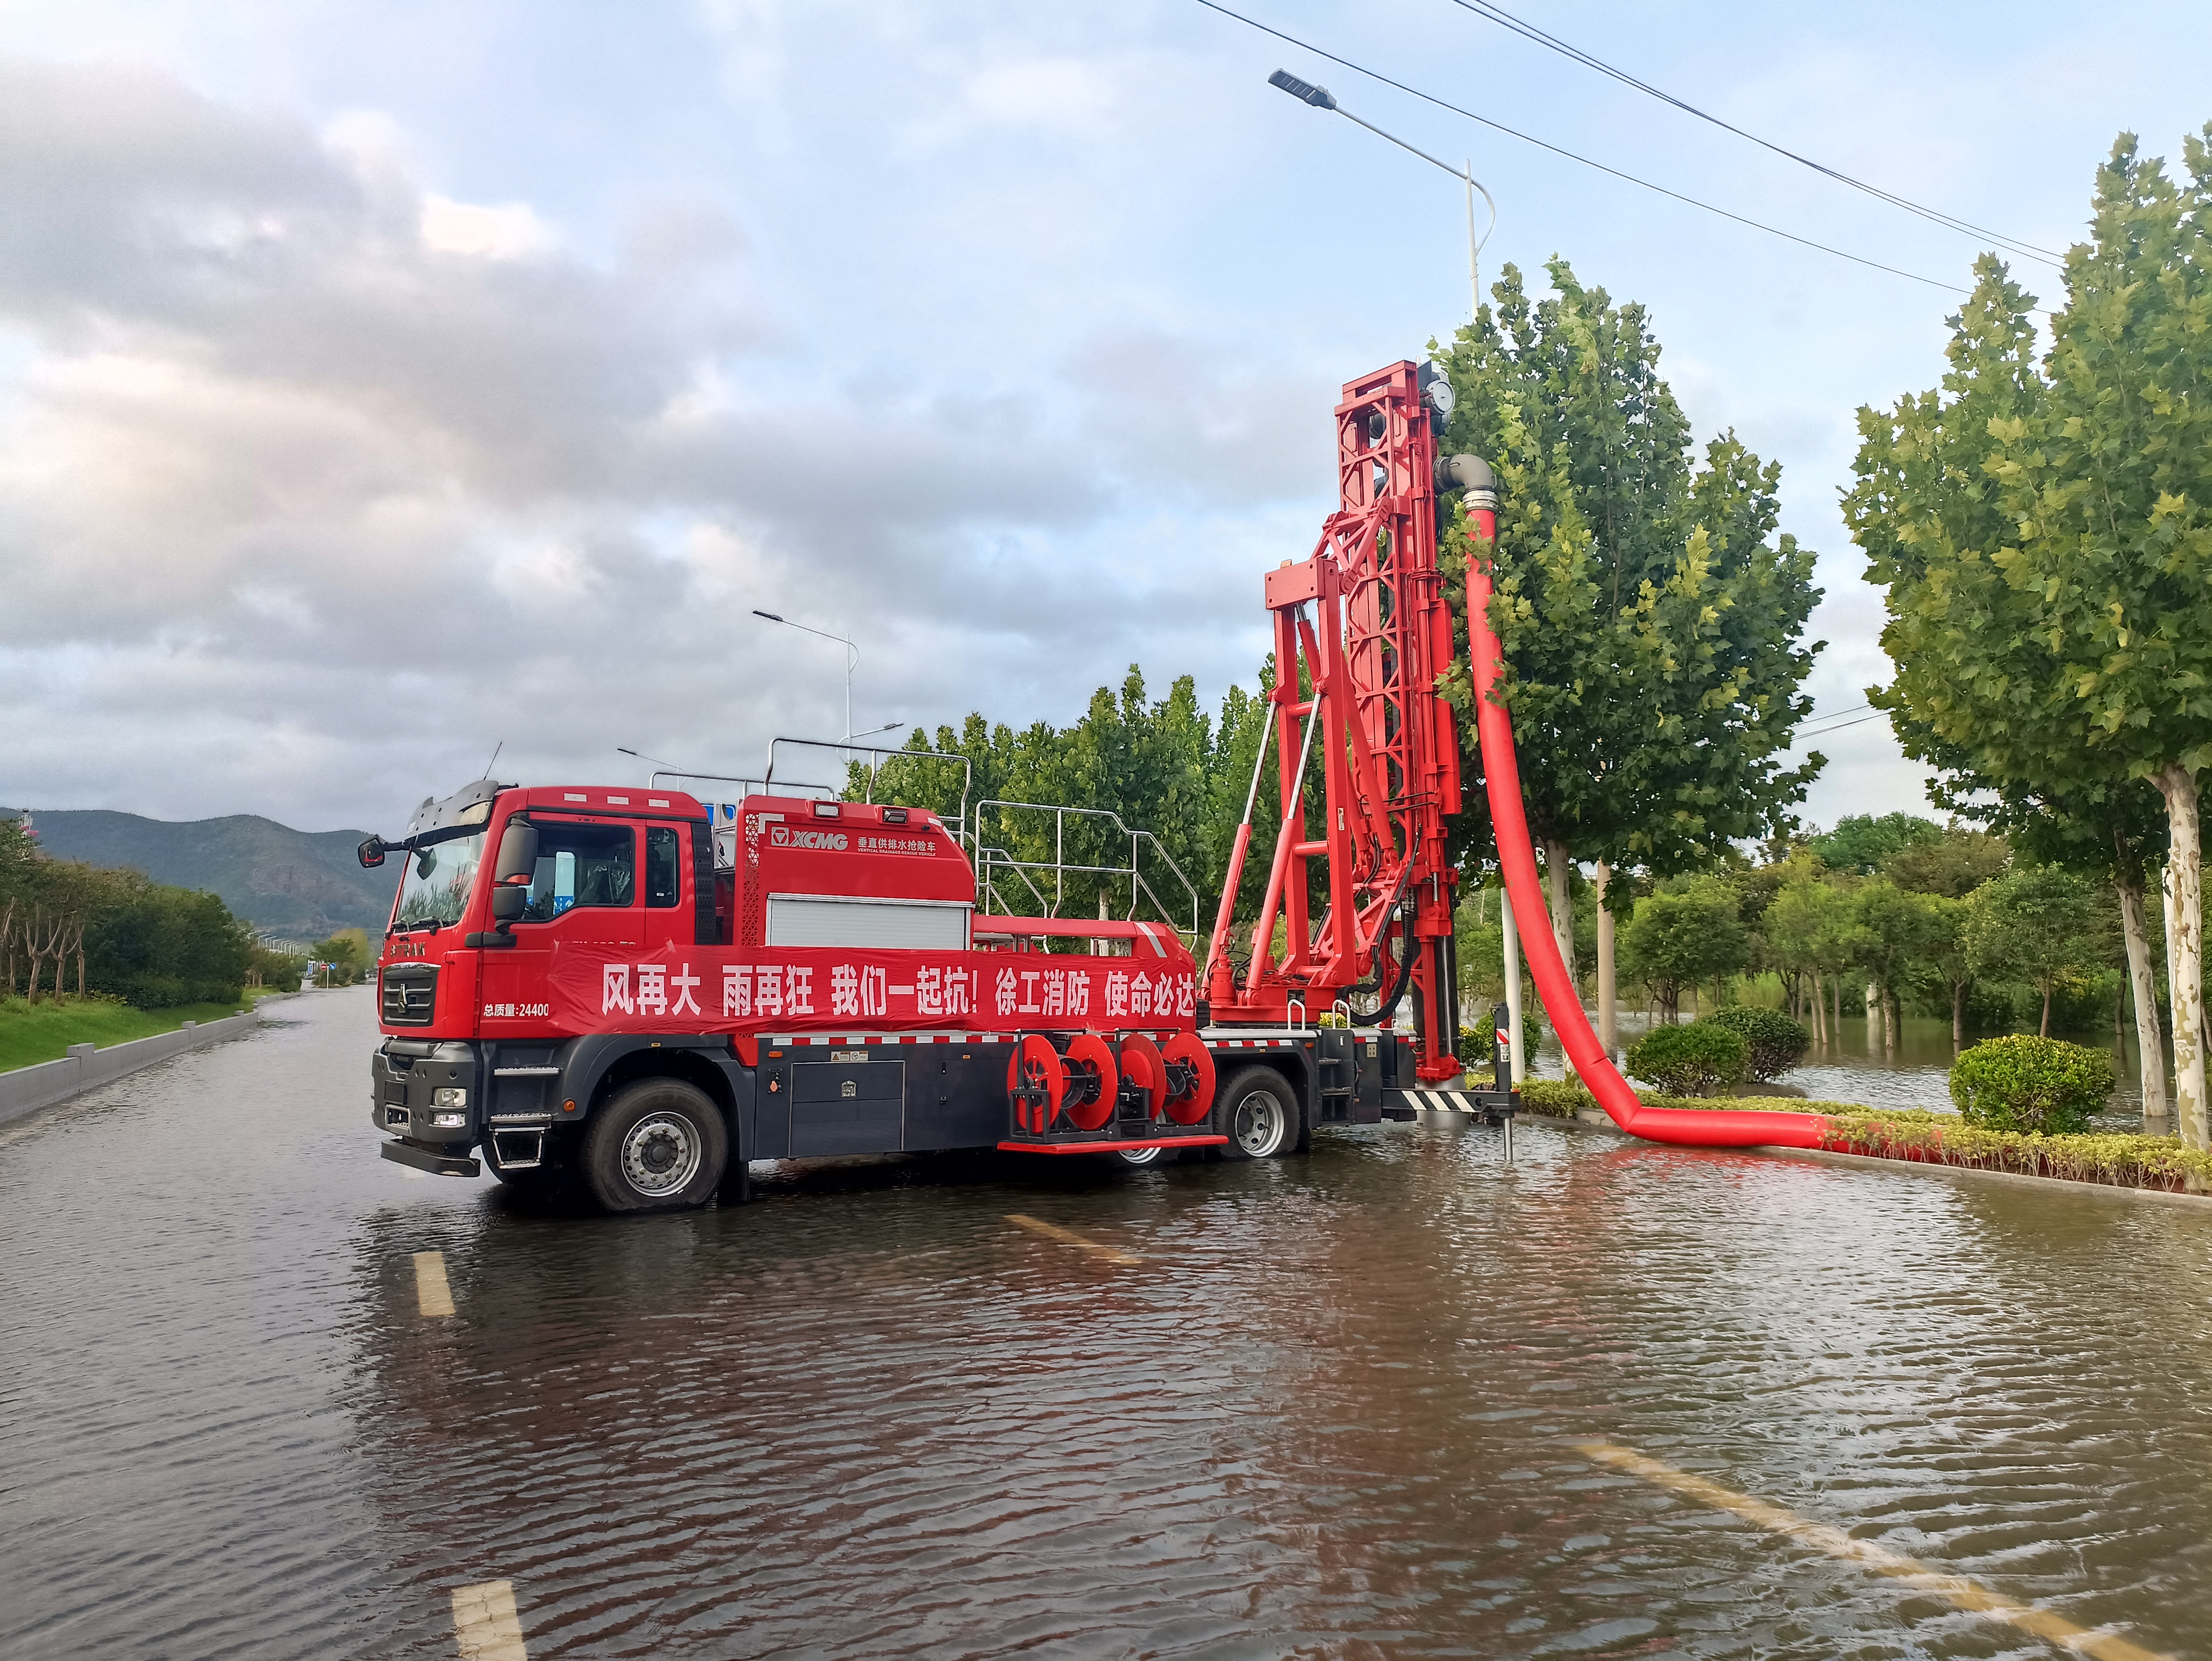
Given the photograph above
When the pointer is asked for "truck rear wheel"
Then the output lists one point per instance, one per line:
(1259, 1114)
(657, 1145)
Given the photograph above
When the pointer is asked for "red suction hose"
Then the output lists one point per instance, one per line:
(1501, 774)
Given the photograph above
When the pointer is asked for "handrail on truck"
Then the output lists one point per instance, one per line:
(1060, 865)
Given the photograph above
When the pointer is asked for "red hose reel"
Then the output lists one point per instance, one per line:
(1086, 1080)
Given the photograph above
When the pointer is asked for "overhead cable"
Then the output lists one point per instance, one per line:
(1526, 138)
(1506, 20)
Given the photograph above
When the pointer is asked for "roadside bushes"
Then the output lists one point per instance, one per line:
(1776, 1042)
(2027, 1083)
(1690, 1061)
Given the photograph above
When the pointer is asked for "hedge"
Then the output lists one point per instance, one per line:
(1920, 1135)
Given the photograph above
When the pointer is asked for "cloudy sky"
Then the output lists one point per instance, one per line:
(378, 382)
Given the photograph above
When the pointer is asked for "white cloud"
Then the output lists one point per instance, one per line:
(506, 231)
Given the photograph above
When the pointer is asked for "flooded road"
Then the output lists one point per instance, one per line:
(1352, 1405)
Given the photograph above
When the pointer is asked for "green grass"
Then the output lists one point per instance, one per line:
(1924, 1137)
(30, 1033)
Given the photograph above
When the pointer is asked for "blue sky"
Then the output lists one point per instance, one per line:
(378, 382)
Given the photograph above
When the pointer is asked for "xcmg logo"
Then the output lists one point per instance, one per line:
(783, 835)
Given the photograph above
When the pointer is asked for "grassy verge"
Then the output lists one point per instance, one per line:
(30, 1033)
(1929, 1138)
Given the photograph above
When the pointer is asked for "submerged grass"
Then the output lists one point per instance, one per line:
(1926, 1137)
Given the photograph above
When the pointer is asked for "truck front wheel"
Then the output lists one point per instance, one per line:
(657, 1145)
(1259, 1114)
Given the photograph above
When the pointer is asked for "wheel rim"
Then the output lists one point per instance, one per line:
(1140, 1155)
(1259, 1126)
(660, 1155)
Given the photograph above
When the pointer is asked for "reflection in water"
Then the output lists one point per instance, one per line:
(1332, 1413)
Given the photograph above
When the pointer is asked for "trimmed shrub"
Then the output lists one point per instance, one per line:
(1690, 1061)
(1778, 1043)
(2026, 1083)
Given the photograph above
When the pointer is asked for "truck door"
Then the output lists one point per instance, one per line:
(585, 891)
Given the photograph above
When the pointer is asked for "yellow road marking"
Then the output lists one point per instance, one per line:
(1069, 1237)
(1967, 1595)
(431, 1291)
(484, 1620)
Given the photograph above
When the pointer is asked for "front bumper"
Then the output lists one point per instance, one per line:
(405, 1074)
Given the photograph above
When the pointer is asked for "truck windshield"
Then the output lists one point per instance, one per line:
(437, 889)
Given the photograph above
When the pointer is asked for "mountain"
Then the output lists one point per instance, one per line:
(299, 885)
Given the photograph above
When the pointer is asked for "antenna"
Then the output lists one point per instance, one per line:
(494, 762)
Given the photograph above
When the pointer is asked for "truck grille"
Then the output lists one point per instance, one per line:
(410, 993)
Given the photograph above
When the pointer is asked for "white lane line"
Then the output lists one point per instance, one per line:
(1968, 1595)
(486, 1624)
(1069, 1237)
(431, 1291)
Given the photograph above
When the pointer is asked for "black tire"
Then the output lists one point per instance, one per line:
(657, 1145)
(1258, 1112)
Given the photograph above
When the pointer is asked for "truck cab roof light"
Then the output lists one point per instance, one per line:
(825, 810)
(895, 816)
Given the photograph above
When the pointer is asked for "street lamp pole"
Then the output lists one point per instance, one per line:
(1321, 99)
(851, 658)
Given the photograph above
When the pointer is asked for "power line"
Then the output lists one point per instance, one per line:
(1822, 731)
(1499, 126)
(1503, 19)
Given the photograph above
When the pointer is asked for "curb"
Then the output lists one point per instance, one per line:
(27, 1089)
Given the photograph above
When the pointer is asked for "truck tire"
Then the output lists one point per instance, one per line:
(1259, 1113)
(657, 1145)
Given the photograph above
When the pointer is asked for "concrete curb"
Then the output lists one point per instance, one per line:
(1590, 1118)
(27, 1089)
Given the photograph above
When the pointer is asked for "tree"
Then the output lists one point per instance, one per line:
(1651, 622)
(1954, 862)
(1810, 925)
(1685, 935)
(1894, 931)
(1947, 959)
(1864, 844)
(2043, 534)
(2037, 924)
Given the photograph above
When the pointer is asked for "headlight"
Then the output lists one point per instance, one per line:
(451, 1096)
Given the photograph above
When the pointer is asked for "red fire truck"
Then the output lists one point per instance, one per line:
(616, 985)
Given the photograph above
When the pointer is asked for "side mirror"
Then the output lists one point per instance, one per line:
(370, 853)
(518, 854)
(508, 903)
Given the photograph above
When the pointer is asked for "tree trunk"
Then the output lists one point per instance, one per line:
(2044, 1031)
(1819, 1013)
(2185, 951)
(2149, 1040)
(1836, 991)
(1958, 1017)
(1559, 884)
(1892, 1022)
(1874, 1016)
(1607, 992)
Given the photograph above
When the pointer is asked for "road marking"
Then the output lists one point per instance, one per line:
(1069, 1237)
(484, 1620)
(431, 1291)
(1968, 1595)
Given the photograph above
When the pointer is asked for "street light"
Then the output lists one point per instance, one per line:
(852, 660)
(1321, 99)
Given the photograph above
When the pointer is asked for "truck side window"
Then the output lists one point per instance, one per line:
(663, 883)
(581, 865)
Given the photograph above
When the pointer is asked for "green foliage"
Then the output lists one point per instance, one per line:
(1952, 863)
(1810, 925)
(347, 953)
(2039, 924)
(279, 971)
(1695, 1060)
(1650, 620)
(1775, 1044)
(2023, 1082)
(1893, 930)
(1864, 844)
(1685, 933)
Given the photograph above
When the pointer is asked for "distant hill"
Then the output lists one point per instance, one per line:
(298, 883)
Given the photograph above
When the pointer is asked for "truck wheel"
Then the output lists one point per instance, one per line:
(1259, 1114)
(657, 1145)
(1137, 1156)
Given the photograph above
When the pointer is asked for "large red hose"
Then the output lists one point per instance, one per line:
(1501, 774)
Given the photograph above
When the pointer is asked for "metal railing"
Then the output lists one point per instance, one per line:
(991, 858)
(957, 824)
